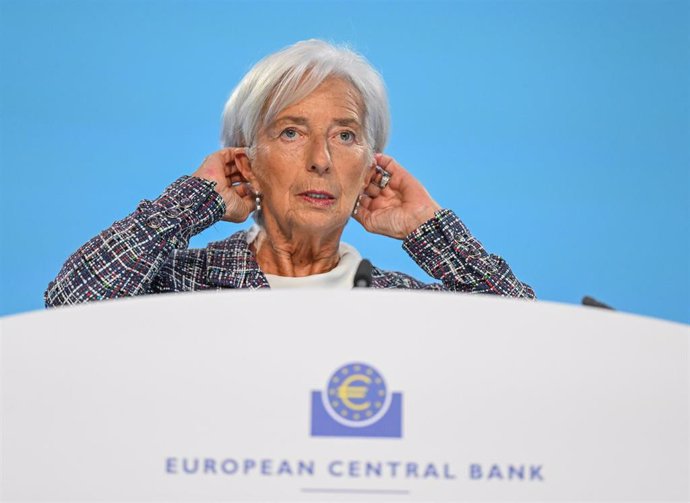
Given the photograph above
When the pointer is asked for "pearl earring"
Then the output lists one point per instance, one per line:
(354, 211)
(257, 199)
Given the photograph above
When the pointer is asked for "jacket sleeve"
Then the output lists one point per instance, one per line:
(446, 250)
(124, 259)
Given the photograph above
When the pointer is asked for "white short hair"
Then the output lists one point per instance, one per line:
(289, 75)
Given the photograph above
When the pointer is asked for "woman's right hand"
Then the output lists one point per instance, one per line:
(235, 190)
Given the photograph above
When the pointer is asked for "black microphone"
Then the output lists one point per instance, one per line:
(591, 301)
(363, 275)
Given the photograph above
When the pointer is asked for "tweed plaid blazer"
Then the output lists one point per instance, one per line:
(147, 252)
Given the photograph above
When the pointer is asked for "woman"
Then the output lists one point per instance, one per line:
(304, 133)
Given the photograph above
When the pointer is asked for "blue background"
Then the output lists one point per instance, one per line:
(558, 131)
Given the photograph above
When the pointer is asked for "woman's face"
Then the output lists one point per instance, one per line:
(312, 162)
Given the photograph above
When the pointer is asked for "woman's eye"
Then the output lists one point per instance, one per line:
(289, 134)
(346, 136)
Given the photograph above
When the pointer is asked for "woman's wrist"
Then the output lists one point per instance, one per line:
(193, 202)
(421, 217)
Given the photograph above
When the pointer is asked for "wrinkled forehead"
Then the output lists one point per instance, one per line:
(287, 94)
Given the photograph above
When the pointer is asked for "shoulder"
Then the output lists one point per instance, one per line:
(222, 264)
(394, 279)
(237, 242)
(218, 259)
(232, 253)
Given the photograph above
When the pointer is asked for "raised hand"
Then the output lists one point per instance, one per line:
(400, 207)
(238, 196)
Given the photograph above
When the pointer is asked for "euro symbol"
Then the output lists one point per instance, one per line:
(346, 391)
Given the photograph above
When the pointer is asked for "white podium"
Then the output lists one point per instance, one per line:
(362, 395)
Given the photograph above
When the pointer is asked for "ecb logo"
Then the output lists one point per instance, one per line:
(356, 403)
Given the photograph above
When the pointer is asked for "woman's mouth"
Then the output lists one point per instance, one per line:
(318, 197)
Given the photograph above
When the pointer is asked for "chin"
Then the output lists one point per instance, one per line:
(320, 222)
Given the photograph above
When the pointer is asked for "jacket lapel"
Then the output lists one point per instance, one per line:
(231, 264)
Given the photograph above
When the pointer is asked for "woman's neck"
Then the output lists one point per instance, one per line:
(297, 255)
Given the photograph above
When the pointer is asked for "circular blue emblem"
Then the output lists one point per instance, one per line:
(356, 395)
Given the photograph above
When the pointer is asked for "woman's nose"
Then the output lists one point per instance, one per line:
(320, 157)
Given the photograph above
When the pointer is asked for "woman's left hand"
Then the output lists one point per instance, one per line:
(400, 207)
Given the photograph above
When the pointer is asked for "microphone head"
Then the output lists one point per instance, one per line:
(591, 301)
(363, 274)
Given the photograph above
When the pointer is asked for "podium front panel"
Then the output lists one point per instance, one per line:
(362, 395)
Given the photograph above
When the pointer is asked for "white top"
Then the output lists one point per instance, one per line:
(341, 276)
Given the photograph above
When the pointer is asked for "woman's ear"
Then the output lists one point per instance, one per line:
(244, 165)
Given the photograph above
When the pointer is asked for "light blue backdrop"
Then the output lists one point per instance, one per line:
(558, 131)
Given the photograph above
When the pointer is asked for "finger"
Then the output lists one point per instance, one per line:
(231, 152)
(228, 153)
(378, 181)
(391, 165)
(244, 191)
(236, 178)
(363, 215)
(232, 171)
(227, 170)
(385, 161)
(216, 160)
(365, 202)
(389, 171)
(372, 190)
(249, 199)
(226, 156)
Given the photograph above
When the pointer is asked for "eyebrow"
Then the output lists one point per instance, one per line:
(292, 118)
(302, 121)
(347, 122)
